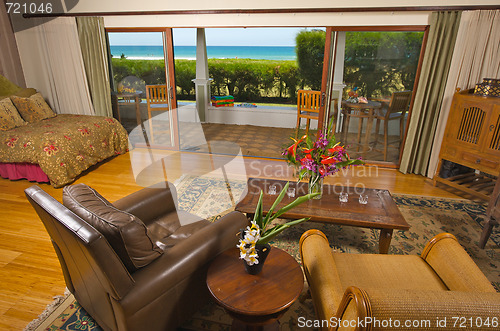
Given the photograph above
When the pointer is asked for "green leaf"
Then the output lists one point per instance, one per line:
(258, 211)
(270, 234)
(349, 162)
(276, 202)
(293, 204)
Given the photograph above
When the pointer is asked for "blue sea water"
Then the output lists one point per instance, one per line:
(217, 52)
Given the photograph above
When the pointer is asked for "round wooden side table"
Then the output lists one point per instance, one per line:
(255, 302)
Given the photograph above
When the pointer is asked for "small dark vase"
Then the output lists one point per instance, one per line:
(262, 252)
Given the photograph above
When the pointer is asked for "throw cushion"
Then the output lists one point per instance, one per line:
(9, 117)
(126, 234)
(24, 92)
(34, 108)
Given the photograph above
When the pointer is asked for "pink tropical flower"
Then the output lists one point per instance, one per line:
(319, 156)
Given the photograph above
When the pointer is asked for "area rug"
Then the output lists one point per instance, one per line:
(213, 197)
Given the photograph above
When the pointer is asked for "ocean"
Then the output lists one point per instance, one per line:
(213, 52)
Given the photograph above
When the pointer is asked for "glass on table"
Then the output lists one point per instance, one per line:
(363, 199)
(272, 190)
(344, 196)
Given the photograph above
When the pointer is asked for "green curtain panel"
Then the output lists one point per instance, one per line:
(94, 50)
(435, 67)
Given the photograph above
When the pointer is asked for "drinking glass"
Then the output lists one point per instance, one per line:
(363, 199)
(272, 190)
(291, 192)
(344, 196)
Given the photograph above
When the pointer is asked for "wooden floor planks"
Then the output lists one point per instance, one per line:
(30, 275)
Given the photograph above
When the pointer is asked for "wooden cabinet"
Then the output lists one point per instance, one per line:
(472, 139)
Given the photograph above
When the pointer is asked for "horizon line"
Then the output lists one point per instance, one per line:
(218, 45)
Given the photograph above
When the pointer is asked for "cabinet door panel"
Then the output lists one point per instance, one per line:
(469, 124)
(492, 145)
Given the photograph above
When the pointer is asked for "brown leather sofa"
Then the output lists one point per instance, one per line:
(442, 289)
(145, 268)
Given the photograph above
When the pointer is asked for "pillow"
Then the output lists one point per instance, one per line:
(25, 92)
(9, 117)
(33, 108)
(126, 234)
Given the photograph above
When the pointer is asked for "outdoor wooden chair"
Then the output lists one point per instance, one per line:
(395, 110)
(157, 100)
(308, 105)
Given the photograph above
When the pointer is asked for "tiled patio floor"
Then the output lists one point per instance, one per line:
(254, 141)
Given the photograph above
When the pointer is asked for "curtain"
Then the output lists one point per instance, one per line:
(10, 63)
(52, 62)
(476, 56)
(435, 67)
(94, 50)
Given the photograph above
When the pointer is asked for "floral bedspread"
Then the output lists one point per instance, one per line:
(64, 146)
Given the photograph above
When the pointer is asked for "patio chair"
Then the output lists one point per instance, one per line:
(395, 110)
(157, 100)
(308, 106)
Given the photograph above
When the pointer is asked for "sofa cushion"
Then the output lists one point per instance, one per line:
(9, 117)
(33, 108)
(126, 234)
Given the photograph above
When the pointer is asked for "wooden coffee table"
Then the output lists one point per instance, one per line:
(255, 302)
(381, 211)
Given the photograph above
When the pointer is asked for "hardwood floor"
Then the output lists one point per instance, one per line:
(29, 270)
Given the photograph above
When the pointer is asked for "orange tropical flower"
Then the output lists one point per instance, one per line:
(293, 148)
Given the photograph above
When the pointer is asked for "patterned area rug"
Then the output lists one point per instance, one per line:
(213, 197)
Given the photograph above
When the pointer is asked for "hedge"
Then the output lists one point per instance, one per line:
(247, 80)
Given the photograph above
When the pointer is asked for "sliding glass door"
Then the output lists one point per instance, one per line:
(143, 83)
(372, 75)
(254, 80)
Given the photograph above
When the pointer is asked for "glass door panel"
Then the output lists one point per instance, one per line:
(141, 79)
(377, 66)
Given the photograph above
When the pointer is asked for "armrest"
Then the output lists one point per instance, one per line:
(454, 266)
(150, 203)
(321, 273)
(185, 258)
(452, 309)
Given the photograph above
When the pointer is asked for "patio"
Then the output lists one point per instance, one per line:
(254, 140)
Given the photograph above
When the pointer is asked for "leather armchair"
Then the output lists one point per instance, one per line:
(157, 292)
(357, 291)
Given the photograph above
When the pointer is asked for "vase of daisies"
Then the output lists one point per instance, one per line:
(254, 240)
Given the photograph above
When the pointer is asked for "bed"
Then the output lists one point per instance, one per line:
(40, 145)
(62, 147)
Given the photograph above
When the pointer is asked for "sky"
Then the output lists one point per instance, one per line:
(214, 37)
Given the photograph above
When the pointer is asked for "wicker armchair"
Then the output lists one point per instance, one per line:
(438, 290)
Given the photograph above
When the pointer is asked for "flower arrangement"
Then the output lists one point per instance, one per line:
(260, 232)
(353, 97)
(320, 158)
